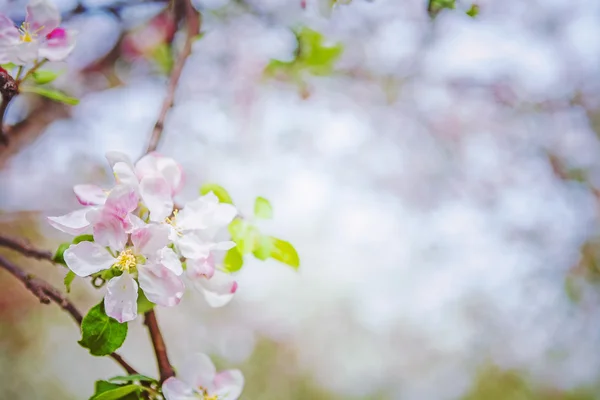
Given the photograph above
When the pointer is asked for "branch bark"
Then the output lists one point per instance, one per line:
(25, 248)
(192, 19)
(160, 349)
(47, 294)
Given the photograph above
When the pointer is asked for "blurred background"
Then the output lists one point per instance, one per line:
(437, 176)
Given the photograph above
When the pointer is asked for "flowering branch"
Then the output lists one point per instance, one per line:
(47, 293)
(192, 18)
(25, 248)
(8, 89)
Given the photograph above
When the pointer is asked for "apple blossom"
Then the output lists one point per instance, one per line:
(200, 380)
(156, 178)
(217, 286)
(156, 267)
(39, 37)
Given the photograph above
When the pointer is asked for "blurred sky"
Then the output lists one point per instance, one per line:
(414, 181)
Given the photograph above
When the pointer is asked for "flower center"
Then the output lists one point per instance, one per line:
(126, 260)
(172, 221)
(205, 396)
(27, 35)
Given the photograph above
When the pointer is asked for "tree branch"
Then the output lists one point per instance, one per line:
(25, 248)
(8, 89)
(160, 349)
(47, 293)
(192, 18)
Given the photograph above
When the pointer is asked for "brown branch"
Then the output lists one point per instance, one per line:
(8, 89)
(192, 18)
(25, 248)
(164, 365)
(47, 293)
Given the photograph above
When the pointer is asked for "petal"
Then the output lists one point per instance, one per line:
(110, 231)
(74, 223)
(89, 195)
(43, 17)
(58, 44)
(124, 175)
(157, 196)
(87, 258)
(199, 370)
(122, 200)
(160, 285)
(9, 37)
(191, 245)
(226, 245)
(150, 238)
(201, 268)
(120, 301)
(134, 222)
(174, 389)
(204, 213)
(169, 259)
(168, 168)
(218, 290)
(222, 215)
(24, 53)
(229, 384)
(114, 157)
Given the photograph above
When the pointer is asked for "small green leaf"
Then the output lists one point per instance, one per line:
(163, 57)
(101, 334)
(262, 208)
(8, 66)
(83, 238)
(473, 11)
(263, 247)
(43, 77)
(59, 255)
(143, 304)
(51, 94)
(132, 378)
(218, 190)
(284, 252)
(244, 235)
(68, 280)
(435, 6)
(233, 260)
(117, 393)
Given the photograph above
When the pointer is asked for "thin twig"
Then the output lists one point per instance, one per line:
(8, 89)
(31, 71)
(47, 293)
(25, 248)
(160, 349)
(192, 18)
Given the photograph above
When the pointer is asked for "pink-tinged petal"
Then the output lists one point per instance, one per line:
(218, 290)
(198, 370)
(229, 384)
(201, 268)
(161, 285)
(114, 157)
(169, 259)
(134, 222)
(156, 194)
(110, 231)
(150, 238)
(87, 258)
(9, 37)
(58, 45)
(121, 200)
(42, 16)
(90, 195)
(174, 389)
(24, 53)
(156, 164)
(74, 223)
(192, 245)
(120, 301)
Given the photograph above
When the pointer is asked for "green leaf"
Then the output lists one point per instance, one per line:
(132, 378)
(43, 77)
(101, 334)
(163, 57)
(244, 235)
(284, 252)
(119, 392)
(233, 260)
(435, 6)
(218, 190)
(143, 304)
(263, 247)
(51, 94)
(83, 238)
(262, 208)
(8, 66)
(473, 11)
(59, 255)
(68, 280)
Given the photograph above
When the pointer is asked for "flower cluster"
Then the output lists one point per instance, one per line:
(39, 37)
(141, 240)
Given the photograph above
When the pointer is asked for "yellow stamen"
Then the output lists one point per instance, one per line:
(126, 260)
(205, 395)
(27, 35)
(171, 221)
